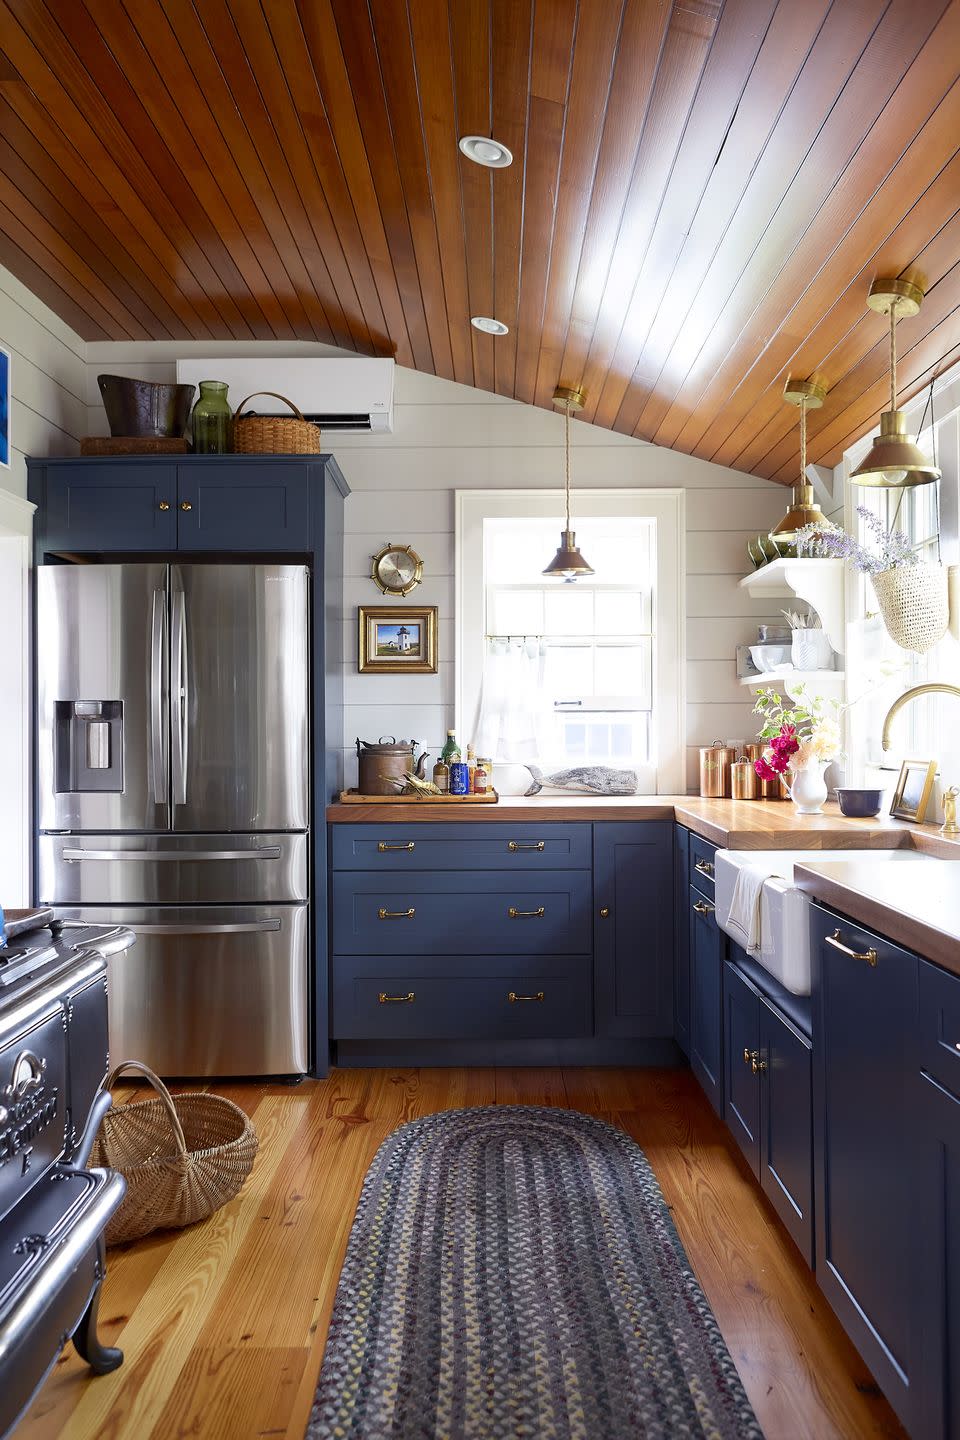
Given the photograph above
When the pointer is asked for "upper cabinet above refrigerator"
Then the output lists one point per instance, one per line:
(103, 739)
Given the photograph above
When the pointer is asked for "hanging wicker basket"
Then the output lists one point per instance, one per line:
(914, 604)
(181, 1158)
(274, 434)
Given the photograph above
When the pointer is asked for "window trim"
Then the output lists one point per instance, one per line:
(667, 507)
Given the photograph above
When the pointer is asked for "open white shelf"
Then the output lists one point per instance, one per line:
(818, 582)
(828, 683)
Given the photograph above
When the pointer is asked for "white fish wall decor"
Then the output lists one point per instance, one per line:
(587, 779)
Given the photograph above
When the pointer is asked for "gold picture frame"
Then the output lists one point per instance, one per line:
(912, 794)
(397, 639)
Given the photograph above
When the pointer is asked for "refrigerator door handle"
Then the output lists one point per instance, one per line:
(158, 756)
(178, 698)
(246, 927)
(262, 852)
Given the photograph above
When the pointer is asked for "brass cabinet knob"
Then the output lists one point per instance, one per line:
(604, 912)
(164, 505)
(185, 505)
(757, 1065)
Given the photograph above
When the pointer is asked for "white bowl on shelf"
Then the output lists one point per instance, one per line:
(769, 657)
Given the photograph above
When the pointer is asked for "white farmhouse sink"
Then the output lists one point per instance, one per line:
(784, 948)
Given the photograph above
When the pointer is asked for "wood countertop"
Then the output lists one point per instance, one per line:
(737, 824)
(914, 904)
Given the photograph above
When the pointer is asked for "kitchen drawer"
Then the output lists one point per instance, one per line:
(398, 848)
(701, 864)
(470, 914)
(940, 1025)
(446, 997)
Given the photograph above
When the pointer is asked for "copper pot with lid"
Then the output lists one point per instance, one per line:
(715, 763)
(383, 762)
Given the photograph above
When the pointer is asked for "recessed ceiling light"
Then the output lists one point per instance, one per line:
(488, 325)
(486, 151)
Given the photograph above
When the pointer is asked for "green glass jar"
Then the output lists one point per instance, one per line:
(212, 420)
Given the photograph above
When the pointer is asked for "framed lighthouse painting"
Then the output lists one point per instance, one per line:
(397, 640)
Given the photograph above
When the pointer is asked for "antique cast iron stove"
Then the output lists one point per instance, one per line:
(53, 1211)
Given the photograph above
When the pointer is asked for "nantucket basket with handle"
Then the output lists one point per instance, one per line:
(182, 1157)
(274, 434)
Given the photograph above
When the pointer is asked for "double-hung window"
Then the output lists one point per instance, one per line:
(573, 673)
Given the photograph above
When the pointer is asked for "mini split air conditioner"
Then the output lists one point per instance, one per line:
(346, 397)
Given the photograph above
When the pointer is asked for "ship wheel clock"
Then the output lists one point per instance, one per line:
(397, 569)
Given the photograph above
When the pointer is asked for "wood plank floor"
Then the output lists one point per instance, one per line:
(223, 1324)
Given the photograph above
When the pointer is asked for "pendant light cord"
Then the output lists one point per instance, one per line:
(803, 440)
(893, 353)
(566, 444)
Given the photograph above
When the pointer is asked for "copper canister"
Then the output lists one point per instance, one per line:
(766, 789)
(744, 780)
(715, 763)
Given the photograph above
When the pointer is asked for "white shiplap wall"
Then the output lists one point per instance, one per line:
(48, 414)
(448, 437)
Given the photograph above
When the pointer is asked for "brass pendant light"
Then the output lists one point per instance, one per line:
(804, 510)
(568, 563)
(894, 460)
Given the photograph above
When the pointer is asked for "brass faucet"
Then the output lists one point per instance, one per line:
(933, 689)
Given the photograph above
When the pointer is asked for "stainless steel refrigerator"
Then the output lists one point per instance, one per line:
(173, 760)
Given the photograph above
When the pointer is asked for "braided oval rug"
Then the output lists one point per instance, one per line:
(513, 1271)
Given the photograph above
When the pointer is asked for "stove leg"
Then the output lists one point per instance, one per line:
(101, 1358)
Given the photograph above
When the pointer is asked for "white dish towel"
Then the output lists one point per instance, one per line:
(744, 918)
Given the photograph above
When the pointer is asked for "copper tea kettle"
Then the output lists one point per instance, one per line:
(383, 762)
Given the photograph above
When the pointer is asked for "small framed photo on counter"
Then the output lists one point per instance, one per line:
(397, 640)
(913, 790)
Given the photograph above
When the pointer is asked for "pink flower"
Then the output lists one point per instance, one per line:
(765, 771)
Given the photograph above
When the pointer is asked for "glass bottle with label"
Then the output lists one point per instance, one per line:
(451, 750)
(471, 767)
(441, 776)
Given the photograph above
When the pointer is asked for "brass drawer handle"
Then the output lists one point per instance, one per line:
(383, 847)
(748, 1055)
(705, 867)
(407, 999)
(395, 914)
(702, 908)
(523, 845)
(869, 955)
(516, 999)
(516, 914)
(164, 505)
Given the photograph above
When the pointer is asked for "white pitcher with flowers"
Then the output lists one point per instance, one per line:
(803, 736)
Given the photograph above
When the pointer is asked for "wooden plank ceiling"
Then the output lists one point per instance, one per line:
(701, 193)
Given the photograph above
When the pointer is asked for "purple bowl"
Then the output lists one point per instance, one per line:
(860, 804)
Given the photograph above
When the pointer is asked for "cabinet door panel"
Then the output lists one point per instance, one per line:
(938, 1194)
(866, 1142)
(786, 1140)
(741, 1099)
(633, 942)
(706, 1007)
(243, 506)
(110, 507)
(681, 938)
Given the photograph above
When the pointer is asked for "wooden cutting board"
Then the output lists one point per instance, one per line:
(353, 797)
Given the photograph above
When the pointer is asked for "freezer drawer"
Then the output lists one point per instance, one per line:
(213, 990)
(172, 869)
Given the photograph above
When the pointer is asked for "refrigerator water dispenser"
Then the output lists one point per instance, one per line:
(88, 746)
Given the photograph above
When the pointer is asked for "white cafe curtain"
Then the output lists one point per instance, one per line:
(514, 714)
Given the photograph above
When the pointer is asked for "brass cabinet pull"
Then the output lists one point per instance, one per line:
(757, 1065)
(869, 955)
(407, 999)
(185, 505)
(516, 999)
(164, 505)
(383, 846)
(702, 908)
(395, 914)
(523, 845)
(516, 914)
(704, 866)
(748, 1054)
(604, 912)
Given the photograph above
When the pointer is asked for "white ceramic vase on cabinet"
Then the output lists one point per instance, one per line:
(808, 789)
(810, 650)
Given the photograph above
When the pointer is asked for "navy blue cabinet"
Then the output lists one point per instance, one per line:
(107, 505)
(741, 1063)
(866, 1143)
(938, 1203)
(633, 928)
(681, 938)
(707, 944)
(241, 504)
